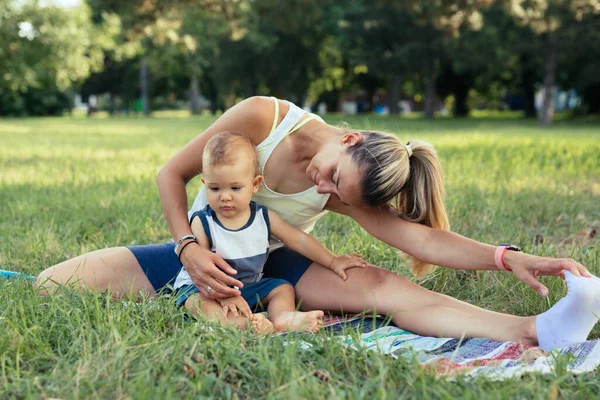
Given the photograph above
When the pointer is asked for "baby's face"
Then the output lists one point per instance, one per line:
(229, 188)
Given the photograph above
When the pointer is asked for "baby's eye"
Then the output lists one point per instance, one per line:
(236, 188)
(214, 189)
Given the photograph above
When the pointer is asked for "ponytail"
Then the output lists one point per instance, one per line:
(421, 199)
(408, 177)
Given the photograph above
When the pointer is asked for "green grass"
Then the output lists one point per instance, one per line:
(69, 186)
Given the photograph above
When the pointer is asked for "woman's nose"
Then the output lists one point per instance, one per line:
(324, 187)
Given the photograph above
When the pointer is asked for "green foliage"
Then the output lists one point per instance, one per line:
(47, 45)
(310, 50)
(72, 185)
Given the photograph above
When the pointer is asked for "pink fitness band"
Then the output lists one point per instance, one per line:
(499, 255)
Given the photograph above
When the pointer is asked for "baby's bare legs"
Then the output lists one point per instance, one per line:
(197, 304)
(281, 307)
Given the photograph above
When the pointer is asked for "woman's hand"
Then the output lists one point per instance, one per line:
(340, 264)
(209, 272)
(528, 267)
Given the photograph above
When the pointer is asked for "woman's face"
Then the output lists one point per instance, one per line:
(333, 172)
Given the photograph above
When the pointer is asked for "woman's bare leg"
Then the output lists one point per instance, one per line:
(411, 307)
(115, 269)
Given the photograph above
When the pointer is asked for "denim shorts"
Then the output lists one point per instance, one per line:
(253, 292)
(161, 266)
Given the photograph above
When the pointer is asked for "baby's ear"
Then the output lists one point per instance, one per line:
(257, 180)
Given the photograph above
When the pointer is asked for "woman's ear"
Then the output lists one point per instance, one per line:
(352, 138)
(257, 180)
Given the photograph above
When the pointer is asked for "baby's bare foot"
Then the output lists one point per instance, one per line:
(261, 324)
(295, 321)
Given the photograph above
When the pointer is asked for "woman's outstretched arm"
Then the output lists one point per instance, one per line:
(451, 250)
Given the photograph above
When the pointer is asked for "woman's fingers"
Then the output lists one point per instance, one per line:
(569, 265)
(222, 264)
(575, 268)
(218, 290)
(216, 271)
(557, 266)
(221, 275)
(536, 285)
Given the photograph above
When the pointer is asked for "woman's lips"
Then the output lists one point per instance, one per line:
(315, 179)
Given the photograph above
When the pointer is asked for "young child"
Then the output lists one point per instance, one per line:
(238, 230)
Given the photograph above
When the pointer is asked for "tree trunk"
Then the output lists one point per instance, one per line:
(430, 90)
(144, 87)
(194, 96)
(528, 80)
(591, 99)
(549, 81)
(461, 91)
(111, 102)
(529, 94)
(395, 96)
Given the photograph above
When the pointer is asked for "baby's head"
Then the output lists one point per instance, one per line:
(230, 173)
(229, 148)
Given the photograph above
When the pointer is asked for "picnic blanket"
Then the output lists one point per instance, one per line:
(471, 357)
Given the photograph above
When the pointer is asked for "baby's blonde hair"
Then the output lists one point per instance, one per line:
(226, 148)
(412, 184)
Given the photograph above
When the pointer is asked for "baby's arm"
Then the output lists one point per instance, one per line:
(311, 248)
(198, 231)
(236, 304)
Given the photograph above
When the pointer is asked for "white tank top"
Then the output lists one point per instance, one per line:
(301, 210)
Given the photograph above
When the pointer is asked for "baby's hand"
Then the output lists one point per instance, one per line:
(236, 305)
(341, 263)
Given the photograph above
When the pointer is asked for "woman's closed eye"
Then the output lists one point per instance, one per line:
(336, 180)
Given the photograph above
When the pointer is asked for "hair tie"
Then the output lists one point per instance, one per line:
(408, 149)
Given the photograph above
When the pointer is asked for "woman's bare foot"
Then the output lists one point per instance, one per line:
(261, 324)
(296, 321)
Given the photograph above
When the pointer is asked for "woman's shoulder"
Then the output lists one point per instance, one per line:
(255, 116)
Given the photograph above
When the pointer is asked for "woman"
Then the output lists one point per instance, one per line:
(394, 191)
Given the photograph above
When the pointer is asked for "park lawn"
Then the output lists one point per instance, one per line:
(69, 186)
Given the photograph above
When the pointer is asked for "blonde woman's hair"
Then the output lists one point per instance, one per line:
(225, 148)
(412, 184)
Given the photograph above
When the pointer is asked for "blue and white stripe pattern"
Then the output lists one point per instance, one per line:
(245, 249)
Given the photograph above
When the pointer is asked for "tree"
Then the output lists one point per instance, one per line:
(48, 46)
(553, 19)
